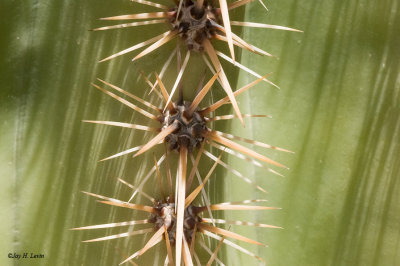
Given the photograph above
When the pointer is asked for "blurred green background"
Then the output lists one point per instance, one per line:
(338, 109)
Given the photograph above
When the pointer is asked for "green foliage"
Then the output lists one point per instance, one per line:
(338, 109)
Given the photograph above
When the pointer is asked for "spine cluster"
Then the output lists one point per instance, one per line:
(179, 210)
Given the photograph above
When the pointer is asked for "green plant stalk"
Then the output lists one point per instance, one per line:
(337, 109)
